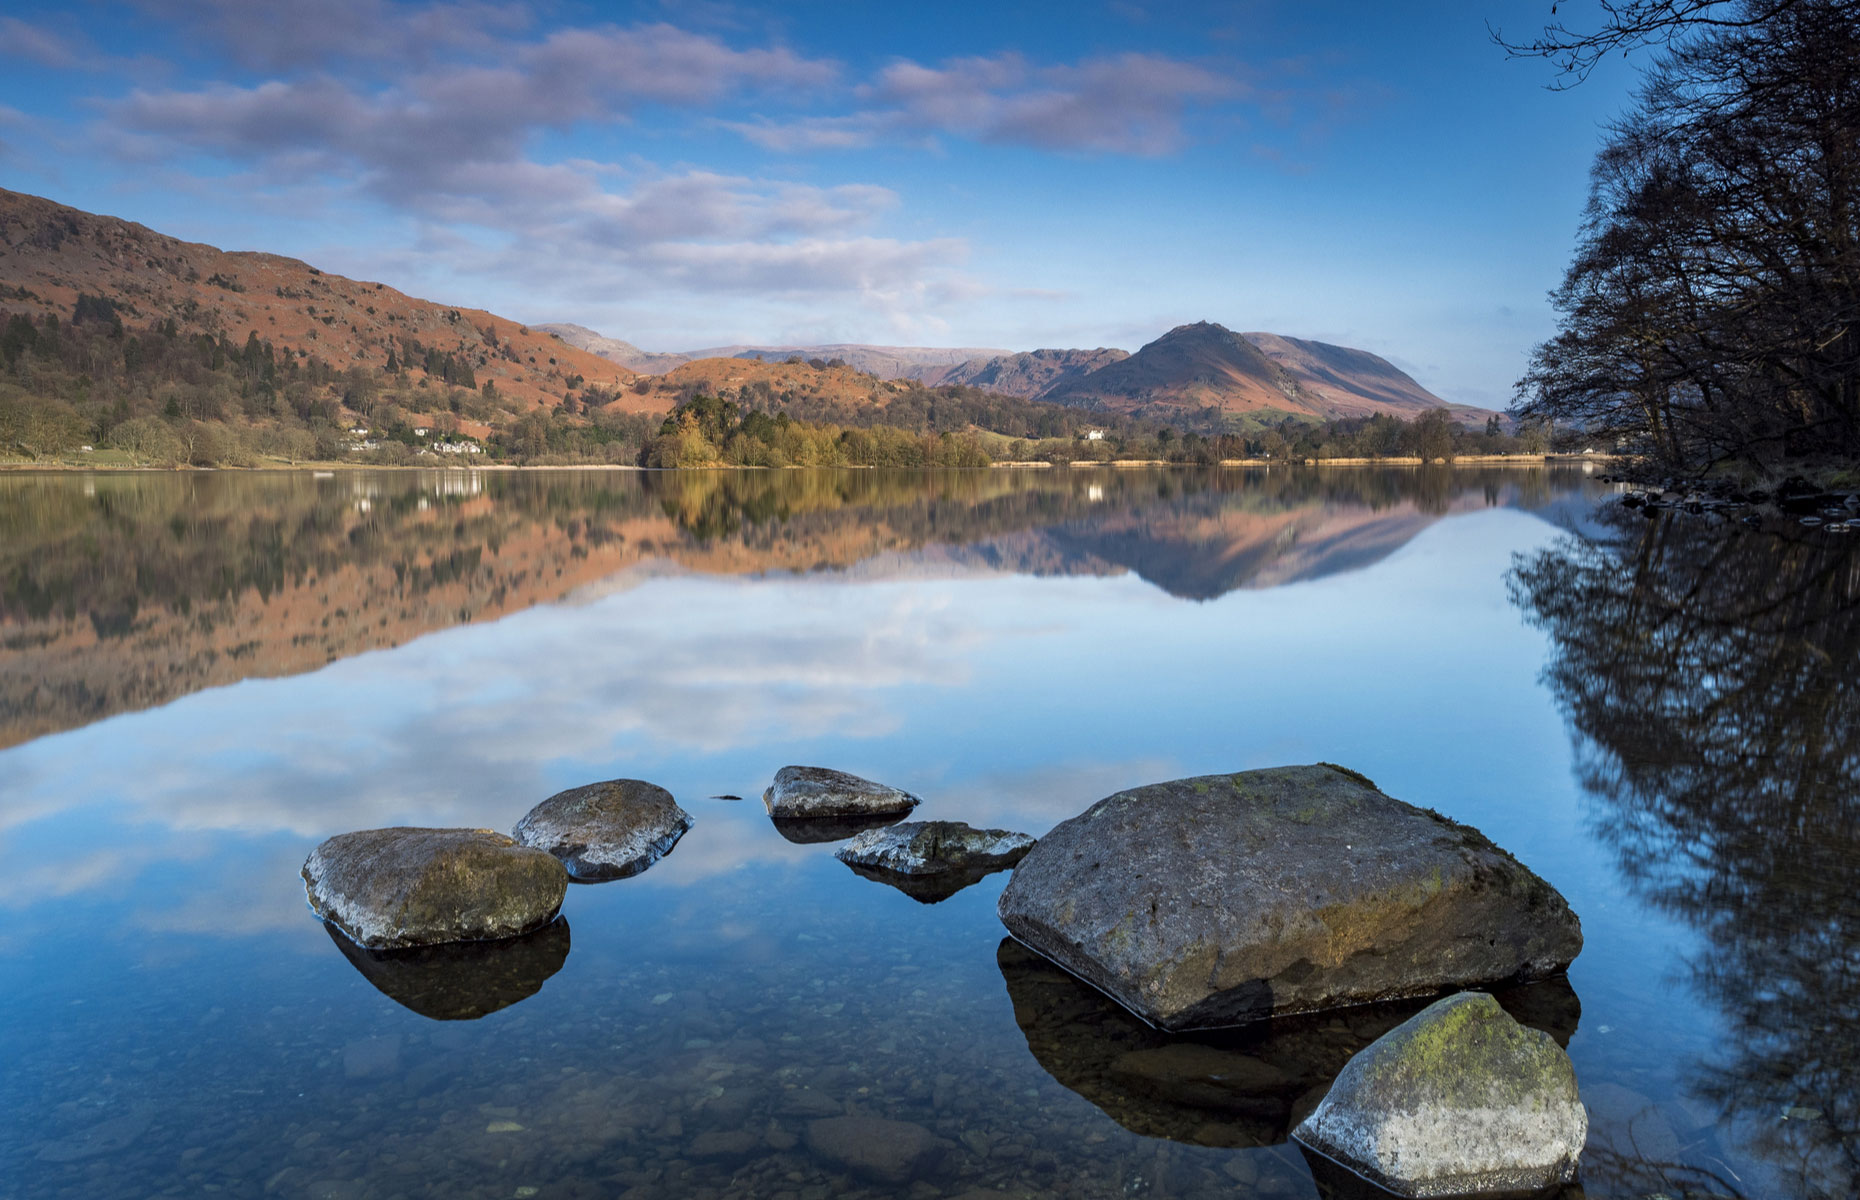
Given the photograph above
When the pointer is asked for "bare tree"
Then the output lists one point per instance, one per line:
(1629, 25)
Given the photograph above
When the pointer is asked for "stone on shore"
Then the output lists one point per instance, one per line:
(390, 888)
(816, 792)
(935, 847)
(1459, 1100)
(1213, 901)
(606, 830)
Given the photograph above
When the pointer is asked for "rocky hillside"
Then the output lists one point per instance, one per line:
(50, 254)
(1028, 375)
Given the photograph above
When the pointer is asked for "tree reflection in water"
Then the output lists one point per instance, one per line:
(1711, 677)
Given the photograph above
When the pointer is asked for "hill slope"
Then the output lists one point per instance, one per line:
(614, 350)
(1027, 375)
(1191, 366)
(1207, 365)
(1344, 382)
(50, 254)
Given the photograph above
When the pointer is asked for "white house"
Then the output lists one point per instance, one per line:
(1094, 435)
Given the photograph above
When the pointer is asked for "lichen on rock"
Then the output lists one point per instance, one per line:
(1459, 1100)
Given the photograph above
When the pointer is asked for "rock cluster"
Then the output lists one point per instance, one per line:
(1793, 500)
(391, 889)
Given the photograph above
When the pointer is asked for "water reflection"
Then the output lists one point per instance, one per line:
(1231, 1088)
(808, 831)
(927, 889)
(462, 981)
(1709, 674)
(122, 592)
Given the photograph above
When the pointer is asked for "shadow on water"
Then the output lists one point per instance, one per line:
(1229, 1088)
(462, 981)
(1711, 677)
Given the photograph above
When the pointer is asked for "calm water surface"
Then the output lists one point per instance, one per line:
(202, 676)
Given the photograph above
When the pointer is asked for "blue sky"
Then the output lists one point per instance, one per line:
(695, 174)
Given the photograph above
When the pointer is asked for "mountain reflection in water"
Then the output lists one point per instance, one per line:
(123, 592)
(1710, 676)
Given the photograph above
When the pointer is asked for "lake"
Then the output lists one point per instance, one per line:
(204, 675)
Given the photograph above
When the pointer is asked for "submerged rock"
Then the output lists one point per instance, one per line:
(891, 1152)
(935, 847)
(1222, 899)
(388, 888)
(930, 861)
(462, 981)
(1234, 1088)
(606, 830)
(1459, 1100)
(816, 792)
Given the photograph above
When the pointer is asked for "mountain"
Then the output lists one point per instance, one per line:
(1191, 366)
(1345, 382)
(1027, 375)
(50, 254)
(614, 350)
(1207, 365)
(886, 362)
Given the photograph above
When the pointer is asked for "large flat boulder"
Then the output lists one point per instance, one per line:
(606, 830)
(390, 888)
(811, 793)
(1460, 1100)
(1222, 899)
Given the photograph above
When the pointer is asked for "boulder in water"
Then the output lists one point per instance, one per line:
(606, 830)
(934, 847)
(1459, 1100)
(390, 888)
(815, 792)
(1222, 899)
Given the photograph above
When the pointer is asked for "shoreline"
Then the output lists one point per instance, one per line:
(1076, 464)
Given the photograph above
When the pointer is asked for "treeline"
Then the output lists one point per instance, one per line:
(1712, 311)
(708, 431)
